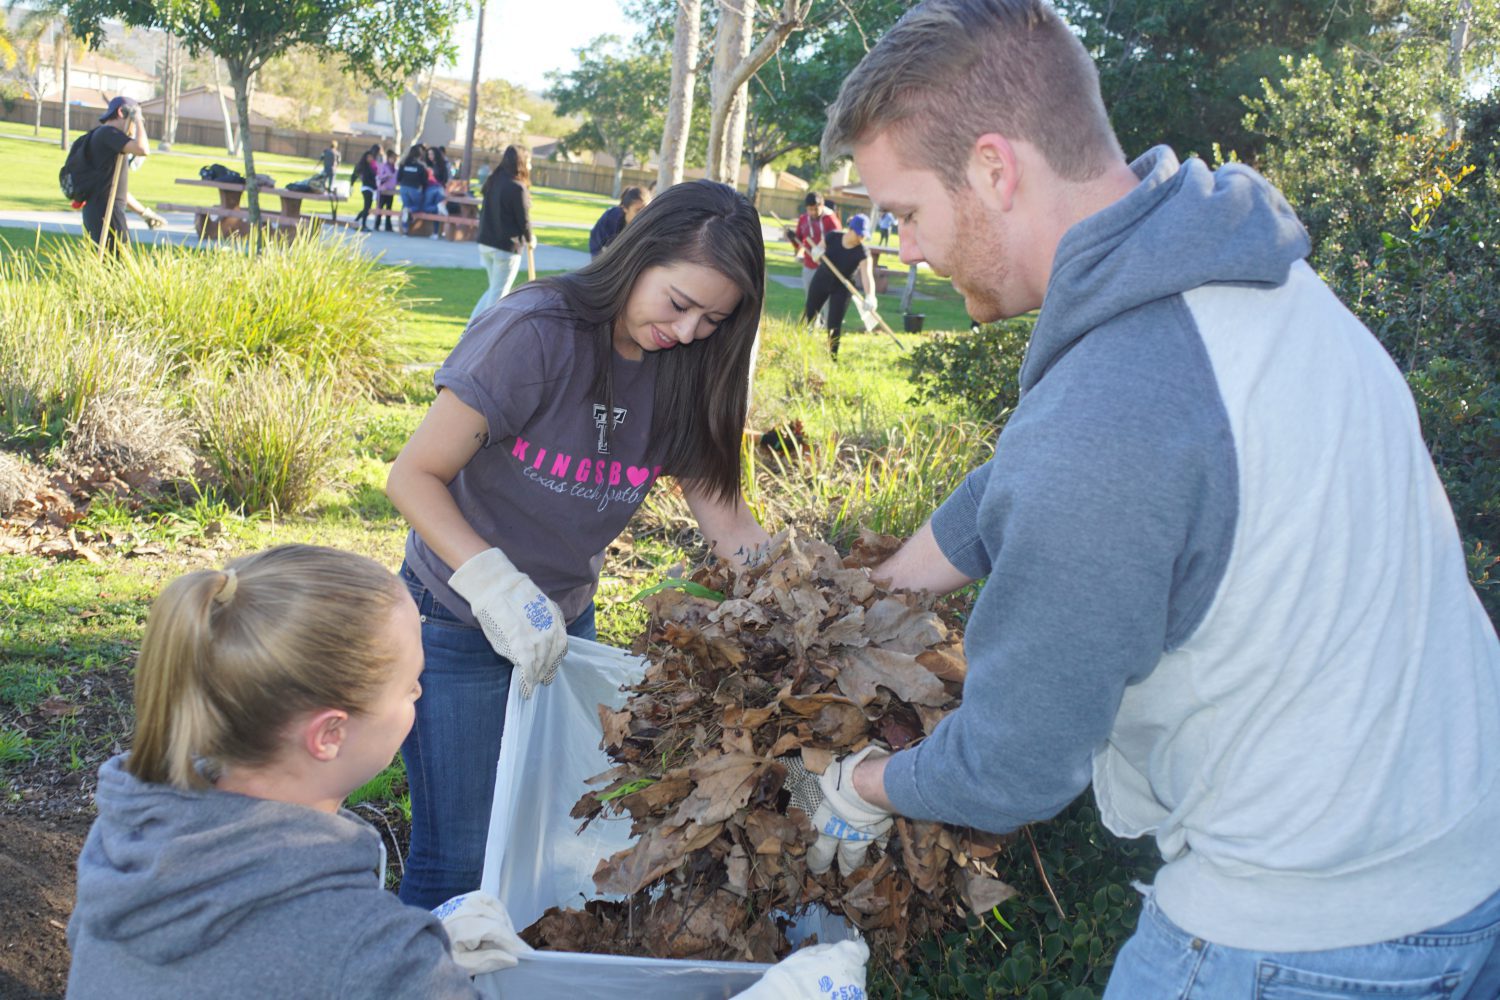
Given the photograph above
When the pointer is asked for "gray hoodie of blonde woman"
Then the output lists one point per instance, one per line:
(209, 893)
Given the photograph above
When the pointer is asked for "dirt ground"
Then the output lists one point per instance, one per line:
(37, 857)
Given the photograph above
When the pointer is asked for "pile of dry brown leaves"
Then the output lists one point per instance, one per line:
(801, 653)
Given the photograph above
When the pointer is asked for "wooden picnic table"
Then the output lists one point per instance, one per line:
(227, 217)
(462, 220)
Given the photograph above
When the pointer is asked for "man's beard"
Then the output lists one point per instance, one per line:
(980, 267)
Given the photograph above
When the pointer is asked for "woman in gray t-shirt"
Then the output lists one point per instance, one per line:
(555, 413)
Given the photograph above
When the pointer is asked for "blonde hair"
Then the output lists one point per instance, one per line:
(952, 70)
(231, 657)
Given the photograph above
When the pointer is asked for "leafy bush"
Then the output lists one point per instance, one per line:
(321, 305)
(272, 436)
(979, 371)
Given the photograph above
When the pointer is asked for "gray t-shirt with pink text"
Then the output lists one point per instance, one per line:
(560, 474)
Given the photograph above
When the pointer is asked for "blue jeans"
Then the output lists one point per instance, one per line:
(1458, 961)
(425, 199)
(452, 750)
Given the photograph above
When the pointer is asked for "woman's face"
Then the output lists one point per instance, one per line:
(672, 305)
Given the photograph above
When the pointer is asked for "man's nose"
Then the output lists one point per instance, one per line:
(910, 252)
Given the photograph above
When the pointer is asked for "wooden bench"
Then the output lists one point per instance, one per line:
(207, 217)
(460, 227)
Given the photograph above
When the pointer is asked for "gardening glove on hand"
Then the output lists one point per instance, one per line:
(523, 624)
(817, 972)
(872, 302)
(152, 219)
(846, 824)
(816, 251)
(483, 937)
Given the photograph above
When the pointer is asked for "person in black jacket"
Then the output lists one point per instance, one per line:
(505, 224)
(111, 140)
(616, 218)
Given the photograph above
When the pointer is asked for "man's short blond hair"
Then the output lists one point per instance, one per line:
(952, 70)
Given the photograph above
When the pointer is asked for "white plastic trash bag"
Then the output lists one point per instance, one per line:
(536, 860)
(549, 751)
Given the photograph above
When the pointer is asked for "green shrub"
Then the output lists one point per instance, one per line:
(273, 437)
(317, 303)
(978, 371)
(56, 357)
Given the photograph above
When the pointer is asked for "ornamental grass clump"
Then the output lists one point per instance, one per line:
(799, 656)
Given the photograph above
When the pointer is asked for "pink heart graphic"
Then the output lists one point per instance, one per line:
(637, 475)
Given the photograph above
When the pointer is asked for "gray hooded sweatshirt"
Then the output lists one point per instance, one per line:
(212, 894)
(1225, 587)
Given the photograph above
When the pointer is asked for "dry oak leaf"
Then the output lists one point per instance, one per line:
(982, 893)
(659, 850)
(860, 671)
(721, 787)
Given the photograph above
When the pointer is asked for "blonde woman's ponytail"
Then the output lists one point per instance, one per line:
(172, 717)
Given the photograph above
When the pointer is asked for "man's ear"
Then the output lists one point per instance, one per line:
(323, 733)
(995, 170)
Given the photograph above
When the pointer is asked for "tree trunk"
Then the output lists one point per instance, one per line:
(1458, 41)
(753, 188)
(674, 138)
(619, 176)
(726, 130)
(36, 123)
(426, 104)
(395, 100)
(172, 84)
(230, 145)
(67, 84)
(242, 81)
(465, 170)
(726, 135)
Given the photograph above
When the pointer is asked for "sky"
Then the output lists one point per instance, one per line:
(523, 39)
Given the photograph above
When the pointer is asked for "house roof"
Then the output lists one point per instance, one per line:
(266, 109)
(94, 62)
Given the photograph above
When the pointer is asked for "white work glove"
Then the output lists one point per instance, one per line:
(872, 302)
(152, 219)
(846, 824)
(816, 251)
(484, 939)
(802, 975)
(522, 624)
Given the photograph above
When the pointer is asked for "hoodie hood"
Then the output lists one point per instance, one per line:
(170, 872)
(1182, 227)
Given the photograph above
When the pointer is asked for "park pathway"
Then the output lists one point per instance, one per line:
(389, 248)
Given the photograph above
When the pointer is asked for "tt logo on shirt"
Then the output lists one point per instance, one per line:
(602, 421)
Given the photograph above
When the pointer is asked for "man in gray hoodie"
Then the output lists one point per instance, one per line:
(1222, 582)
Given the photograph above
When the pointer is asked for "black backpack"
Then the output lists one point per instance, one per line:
(80, 176)
(219, 172)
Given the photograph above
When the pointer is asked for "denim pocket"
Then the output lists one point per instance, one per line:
(1275, 981)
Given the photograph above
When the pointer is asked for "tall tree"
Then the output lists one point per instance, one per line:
(465, 168)
(1177, 71)
(737, 56)
(620, 96)
(171, 87)
(44, 30)
(686, 37)
(368, 35)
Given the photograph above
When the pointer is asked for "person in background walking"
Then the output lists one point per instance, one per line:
(385, 187)
(847, 253)
(555, 414)
(419, 194)
(504, 225)
(106, 143)
(330, 159)
(616, 218)
(364, 174)
(887, 223)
